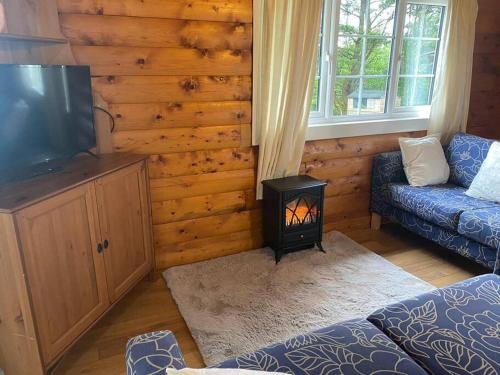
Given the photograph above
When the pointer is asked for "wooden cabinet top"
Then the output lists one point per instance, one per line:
(17, 195)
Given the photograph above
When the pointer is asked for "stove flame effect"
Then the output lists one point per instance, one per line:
(300, 212)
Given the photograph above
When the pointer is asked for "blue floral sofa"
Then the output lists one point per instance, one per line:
(442, 213)
(453, 330)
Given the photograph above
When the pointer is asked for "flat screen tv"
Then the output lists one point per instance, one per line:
(46, 116)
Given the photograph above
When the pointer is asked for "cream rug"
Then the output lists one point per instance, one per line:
(240, 303)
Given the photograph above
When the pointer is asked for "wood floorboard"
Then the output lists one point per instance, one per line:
(150, 306)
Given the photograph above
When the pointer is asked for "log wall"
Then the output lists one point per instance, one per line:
(177, 77)
(484, 111)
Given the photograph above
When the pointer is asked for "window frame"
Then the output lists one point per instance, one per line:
(322, 123)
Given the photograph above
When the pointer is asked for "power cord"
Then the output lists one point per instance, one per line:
(110, 116)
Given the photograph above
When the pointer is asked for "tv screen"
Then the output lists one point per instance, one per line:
(46, 114)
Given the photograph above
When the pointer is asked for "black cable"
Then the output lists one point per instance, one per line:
(110, 116)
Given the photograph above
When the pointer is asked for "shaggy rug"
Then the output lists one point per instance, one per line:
(239, 303)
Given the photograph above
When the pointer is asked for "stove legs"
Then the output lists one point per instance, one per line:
(320, 247)
(277, 256)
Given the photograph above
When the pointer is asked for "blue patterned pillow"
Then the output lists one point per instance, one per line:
(465, 154)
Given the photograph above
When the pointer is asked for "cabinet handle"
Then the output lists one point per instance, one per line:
(106, 244)
(100, 249)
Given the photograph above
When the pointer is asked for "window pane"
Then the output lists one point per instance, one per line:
(373, 95)
(381, 20)
(317, 80)
(346, 96)
(364, 48)
(422, 94)
(433, 17)
(418, 56)
(314, 100)
(378, 56)
(414, 92)
(423, 20)
(427, 56)
(352, 20)
(349, 50)
(404, 92)
(376, 17)
(409, 57)
(319, 65)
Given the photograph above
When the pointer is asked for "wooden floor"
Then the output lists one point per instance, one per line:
(150, 306)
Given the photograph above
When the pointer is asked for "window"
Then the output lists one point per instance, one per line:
(377, 61)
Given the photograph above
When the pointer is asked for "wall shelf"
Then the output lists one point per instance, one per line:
(29, 38)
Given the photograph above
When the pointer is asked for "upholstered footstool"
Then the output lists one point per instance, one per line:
(453, 330)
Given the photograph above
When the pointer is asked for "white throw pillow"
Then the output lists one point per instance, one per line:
(424, 161)
(219, 371)
(486, 184)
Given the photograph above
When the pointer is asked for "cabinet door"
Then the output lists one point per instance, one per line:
(124, 219)
(64, 270)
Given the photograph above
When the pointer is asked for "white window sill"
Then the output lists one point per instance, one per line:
(318, 131)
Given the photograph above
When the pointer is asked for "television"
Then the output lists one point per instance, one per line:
(46, 116)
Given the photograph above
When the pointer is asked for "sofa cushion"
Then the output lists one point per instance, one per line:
(447, 238)
(465, 154)
(454, 330)
(482, 225)
(352, 347)
(152, 353)
(439, 204)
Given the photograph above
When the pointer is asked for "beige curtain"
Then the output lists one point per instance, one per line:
(450, 106)
(286, 35)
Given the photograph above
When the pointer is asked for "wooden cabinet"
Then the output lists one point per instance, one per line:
(83, 239)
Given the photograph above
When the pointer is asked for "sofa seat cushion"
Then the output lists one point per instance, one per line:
(438, 204)
(465, 154)
(447, 238)
(454, 330)
(482, 225)
(352, 347)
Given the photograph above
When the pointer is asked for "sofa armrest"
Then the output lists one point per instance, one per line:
(151, 352)
(387, 168)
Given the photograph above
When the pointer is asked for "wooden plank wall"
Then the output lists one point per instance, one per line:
(177, 75)
(484, 111)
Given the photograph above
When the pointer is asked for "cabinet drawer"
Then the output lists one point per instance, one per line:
(296, 238)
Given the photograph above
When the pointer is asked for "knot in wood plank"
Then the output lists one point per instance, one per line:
(174, 106)
(190, 84)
